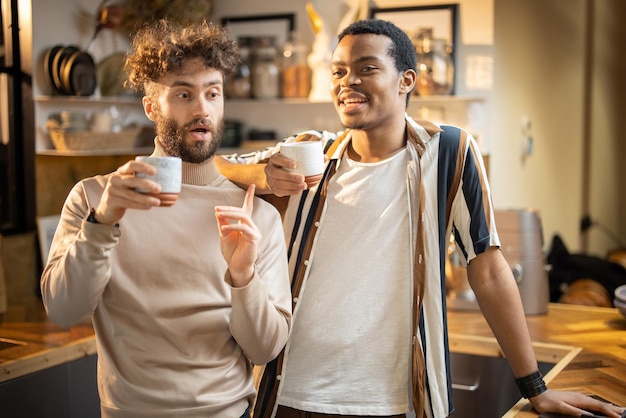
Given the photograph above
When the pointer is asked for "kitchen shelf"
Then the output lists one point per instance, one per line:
(144, 151)
(304, 101)
(96, 153)
(129, 108)
(90, 100)
(288, 116)
(282, 115)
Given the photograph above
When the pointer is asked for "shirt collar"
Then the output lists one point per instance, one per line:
(420, 132)
(417, 132)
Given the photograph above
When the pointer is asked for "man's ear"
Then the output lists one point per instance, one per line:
(148, 108)
(407, 81)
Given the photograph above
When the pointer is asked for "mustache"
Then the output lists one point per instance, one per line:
(199, 121)
(346, 90)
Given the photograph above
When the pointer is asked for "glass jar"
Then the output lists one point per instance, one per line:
(435, 68)
(265, 73)
(238, 84)
(296, 74)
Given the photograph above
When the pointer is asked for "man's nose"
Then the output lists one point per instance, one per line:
(201, 107)
(350, 79)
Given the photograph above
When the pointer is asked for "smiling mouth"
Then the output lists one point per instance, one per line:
(352, 101)
(352, 104)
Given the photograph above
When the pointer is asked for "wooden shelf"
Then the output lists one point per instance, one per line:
(246, 146)
(91, 100)
(305, 101)
(95, 153)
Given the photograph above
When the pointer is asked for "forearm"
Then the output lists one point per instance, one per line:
(261, 311)
(259, 327)
(244, 175)
(500, 303)
(79, 265)
(76, 276)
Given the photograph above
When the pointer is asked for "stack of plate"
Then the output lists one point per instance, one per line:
(70, 71)
(620, 299)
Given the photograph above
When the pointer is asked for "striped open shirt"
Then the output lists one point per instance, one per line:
(448, 194)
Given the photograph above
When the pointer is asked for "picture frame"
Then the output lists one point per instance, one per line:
(441, 18)
(279, 26)
(46, 227)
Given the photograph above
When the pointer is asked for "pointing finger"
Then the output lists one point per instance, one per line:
(249, 199)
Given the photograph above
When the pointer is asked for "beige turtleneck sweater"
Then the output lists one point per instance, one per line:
(173, 337)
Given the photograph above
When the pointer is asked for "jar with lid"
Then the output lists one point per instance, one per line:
(238, 84)
(435, 67)
(265, 72)
(296, 74)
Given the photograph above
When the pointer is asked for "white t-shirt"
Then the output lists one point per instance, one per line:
(350, 345)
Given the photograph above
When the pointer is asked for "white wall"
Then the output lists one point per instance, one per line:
(539, 59)
(607, 180)
(574, 97)
(476, 21)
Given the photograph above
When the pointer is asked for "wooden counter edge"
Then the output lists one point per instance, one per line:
(581, 340)
(47, 358)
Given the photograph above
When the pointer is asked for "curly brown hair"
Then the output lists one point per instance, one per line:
(164, 47)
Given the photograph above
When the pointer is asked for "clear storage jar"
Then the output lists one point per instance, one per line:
(239, 83)
(296, 74)
(435, 68)
(265, 72)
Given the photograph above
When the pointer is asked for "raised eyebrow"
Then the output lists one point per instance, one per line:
(183, 83)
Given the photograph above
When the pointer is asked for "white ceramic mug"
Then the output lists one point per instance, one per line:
(308, 155)
(169, 175)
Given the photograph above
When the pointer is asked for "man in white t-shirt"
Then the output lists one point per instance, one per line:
(367, 248)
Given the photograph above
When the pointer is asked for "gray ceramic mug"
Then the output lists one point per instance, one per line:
(168, 175)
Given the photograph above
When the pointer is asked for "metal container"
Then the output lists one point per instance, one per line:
(521, 240)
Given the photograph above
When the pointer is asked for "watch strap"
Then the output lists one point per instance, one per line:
(92, 217)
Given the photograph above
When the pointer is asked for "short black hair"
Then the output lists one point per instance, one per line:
(401, 50)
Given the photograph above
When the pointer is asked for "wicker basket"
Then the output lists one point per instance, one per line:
(64, 140)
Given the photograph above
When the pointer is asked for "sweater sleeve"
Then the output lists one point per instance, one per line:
(261, 311)
(78, 267)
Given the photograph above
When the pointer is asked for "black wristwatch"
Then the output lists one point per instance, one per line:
(92, 217)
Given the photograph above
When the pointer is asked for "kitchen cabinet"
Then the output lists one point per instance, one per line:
(68, 390)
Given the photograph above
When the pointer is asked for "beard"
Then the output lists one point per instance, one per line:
(350, 122)
(354, 127)
(172, 138)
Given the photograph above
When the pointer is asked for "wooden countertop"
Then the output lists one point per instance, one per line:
(588, 344)
(37, 344)
(590, 341)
